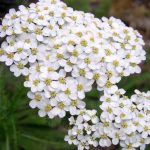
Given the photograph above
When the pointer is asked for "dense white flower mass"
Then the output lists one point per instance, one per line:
(62, 53)
(127, 117)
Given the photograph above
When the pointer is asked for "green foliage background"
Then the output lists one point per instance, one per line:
(20, 127)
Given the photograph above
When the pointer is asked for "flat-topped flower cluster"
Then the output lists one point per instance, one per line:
(63, 53)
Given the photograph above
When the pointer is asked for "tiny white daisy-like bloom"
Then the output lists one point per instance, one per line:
(89, 129)
(69, 89)
(51, 94)
(60, 107)
(19, 28)
(49, 70)
(83, 144)
(71, 139)
(75, 105)
(88, 61)
(93, 115)
(145, 130)
(51, 29)
(77, 72)
(83, 85)
(34, 83)
(122, 114)
(9, 58)
(29, 40)
(19, 68)
(129, 145)
(35, 69)
(116, 136)
(78, 130)
(20, 52)
(5, 29)
(34, 54)
(38, 32)
(143, 142)
(45, 108)
(74, 52)
(42, 19)
(112, 74)
(36, 98)
(104, 137)
(107, 111)
(92, 141)
(2, 55)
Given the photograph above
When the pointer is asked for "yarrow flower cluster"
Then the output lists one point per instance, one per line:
(63, 53)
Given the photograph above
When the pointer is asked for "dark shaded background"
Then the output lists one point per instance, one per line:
(20, 127)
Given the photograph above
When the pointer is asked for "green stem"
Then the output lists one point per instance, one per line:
(37, 139)
(33, 138)
(7, 138)
(14, 135)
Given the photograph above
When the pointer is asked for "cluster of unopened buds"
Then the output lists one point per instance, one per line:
(63, 53)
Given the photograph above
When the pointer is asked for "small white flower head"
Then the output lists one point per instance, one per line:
(83, 129)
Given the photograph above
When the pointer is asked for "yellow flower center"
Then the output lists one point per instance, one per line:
(20, 66)
(19, 50)
(79, 87)
(36, 82)
(82, 72)
(53, 94)
(62, 80)
(10, 55)
(38, 97)
(74, 103)
(47, 81)
(61, 105)
(48, 108)
(84, 43)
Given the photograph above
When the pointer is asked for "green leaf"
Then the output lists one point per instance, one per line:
(103, 8)
(78, 4)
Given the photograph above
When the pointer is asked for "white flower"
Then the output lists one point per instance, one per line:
(116, 136)
(5, 29)
(89, 129)
(48, 69)
(144, 142)
(76, 104)
(19, 68)
(129, 145)
(42, 19)
(77, 72)
(29, 40)
(35, 69)
(145, 131)
(36, 98)
(9, 58)
(83, 85)
(83, 145)
(20, 52)
(34, 83)
(112, 74)
(107, 111)
(45, 108)
(104, 138)
(60, 107)
(51, 29)
(69, 88)
(92, 141)
(71, 139)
